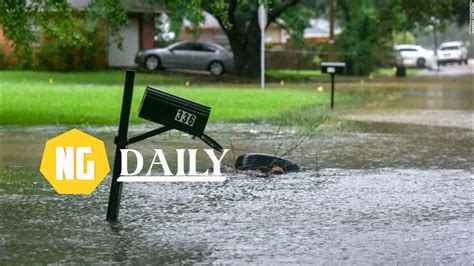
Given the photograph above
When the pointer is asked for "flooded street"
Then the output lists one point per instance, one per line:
(381, 183)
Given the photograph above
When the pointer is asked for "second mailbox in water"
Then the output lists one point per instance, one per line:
(174, 112)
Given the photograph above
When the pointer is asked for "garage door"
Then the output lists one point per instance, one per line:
(126, 56)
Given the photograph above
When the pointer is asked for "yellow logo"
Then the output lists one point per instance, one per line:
(74, 162)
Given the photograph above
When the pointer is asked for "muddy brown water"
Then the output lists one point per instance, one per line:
(391, 185)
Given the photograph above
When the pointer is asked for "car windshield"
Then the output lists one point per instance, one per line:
(446, 48)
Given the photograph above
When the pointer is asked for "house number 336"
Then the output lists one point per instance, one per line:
(185, 117)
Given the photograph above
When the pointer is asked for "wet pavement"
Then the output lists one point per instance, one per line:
(388, 182)
(452, 69)
(430, 107)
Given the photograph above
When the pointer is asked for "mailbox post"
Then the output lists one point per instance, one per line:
(121, 142)
(160, 107)
(333, 68)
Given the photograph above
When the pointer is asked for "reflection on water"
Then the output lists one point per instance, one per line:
(375, 192)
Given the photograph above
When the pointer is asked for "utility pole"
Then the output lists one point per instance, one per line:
(262, 22)
(435, 39)
(331, 47)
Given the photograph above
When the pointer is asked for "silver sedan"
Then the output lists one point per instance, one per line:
(188, 55)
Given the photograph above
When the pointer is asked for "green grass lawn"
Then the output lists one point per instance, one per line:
(390, 72)
(39, 98)
(108, 77)
(291, 74)
(295, 74)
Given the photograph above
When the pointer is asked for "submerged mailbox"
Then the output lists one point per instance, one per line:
(173, 111)
(160, 107)
(178, 113)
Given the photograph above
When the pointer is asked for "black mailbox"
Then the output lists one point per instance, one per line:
(160, 107)
(333, 67)
(174, 112)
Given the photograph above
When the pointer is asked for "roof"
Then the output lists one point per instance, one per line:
(319, 28)
(209, 22)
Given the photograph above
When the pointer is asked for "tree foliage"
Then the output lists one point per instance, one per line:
(368, 25)
(25, 22)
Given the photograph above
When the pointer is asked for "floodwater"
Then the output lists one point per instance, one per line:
(388, 183)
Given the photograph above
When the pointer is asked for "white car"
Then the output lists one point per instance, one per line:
(415, 56)
(450, 52)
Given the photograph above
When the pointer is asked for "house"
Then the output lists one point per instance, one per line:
(6, 52)
(318, 31)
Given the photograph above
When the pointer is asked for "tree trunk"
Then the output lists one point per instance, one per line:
(246, 49)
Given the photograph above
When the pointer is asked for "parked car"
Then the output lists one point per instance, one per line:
(188, 55)
(415, 56)
(449, 52)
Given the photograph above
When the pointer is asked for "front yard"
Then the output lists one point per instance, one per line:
(44, 98)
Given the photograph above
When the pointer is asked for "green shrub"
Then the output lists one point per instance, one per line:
(88, 54)
(56, 57)
(364, 44)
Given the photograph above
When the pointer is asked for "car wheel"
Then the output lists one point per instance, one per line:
(420, 63)
(216, 68)
(466, 61)
(152, 62)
